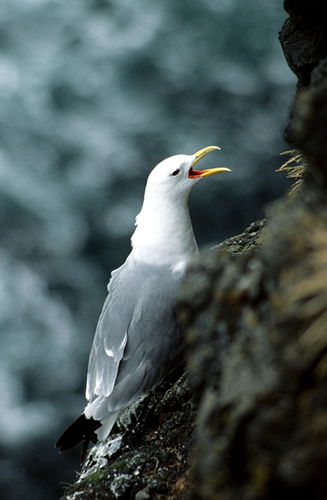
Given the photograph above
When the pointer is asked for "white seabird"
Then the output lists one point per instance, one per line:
(137, 340)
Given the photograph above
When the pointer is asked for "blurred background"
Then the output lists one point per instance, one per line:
(93, 94)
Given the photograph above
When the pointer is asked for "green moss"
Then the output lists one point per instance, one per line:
(121, 465)
(99, 475)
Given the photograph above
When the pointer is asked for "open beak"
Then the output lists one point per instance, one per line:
(194, 174)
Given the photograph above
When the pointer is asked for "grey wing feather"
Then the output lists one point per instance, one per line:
(137, 341)
(109, 342)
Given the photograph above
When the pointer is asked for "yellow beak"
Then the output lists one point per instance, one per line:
(205, 173)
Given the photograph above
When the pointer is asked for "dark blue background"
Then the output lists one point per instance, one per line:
(93, 94)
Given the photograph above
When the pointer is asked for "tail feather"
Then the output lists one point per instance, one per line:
(80, 430)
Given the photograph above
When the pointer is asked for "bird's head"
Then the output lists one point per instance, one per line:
(164, 231)
(176, 176)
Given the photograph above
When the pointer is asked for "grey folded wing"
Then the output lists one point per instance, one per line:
(137, 340)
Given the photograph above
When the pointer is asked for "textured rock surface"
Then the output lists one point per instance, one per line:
(256, 358)
(304, 42)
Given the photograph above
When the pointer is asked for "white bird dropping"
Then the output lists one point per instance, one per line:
(137, 340)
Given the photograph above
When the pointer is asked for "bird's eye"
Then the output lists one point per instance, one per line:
(175, 172)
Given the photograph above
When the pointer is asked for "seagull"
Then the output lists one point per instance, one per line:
(138, 341)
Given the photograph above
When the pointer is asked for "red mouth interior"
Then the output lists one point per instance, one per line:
(193, 174)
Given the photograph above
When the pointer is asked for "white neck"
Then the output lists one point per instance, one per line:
(164, 233)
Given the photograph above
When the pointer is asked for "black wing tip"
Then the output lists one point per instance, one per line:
(80, 430)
